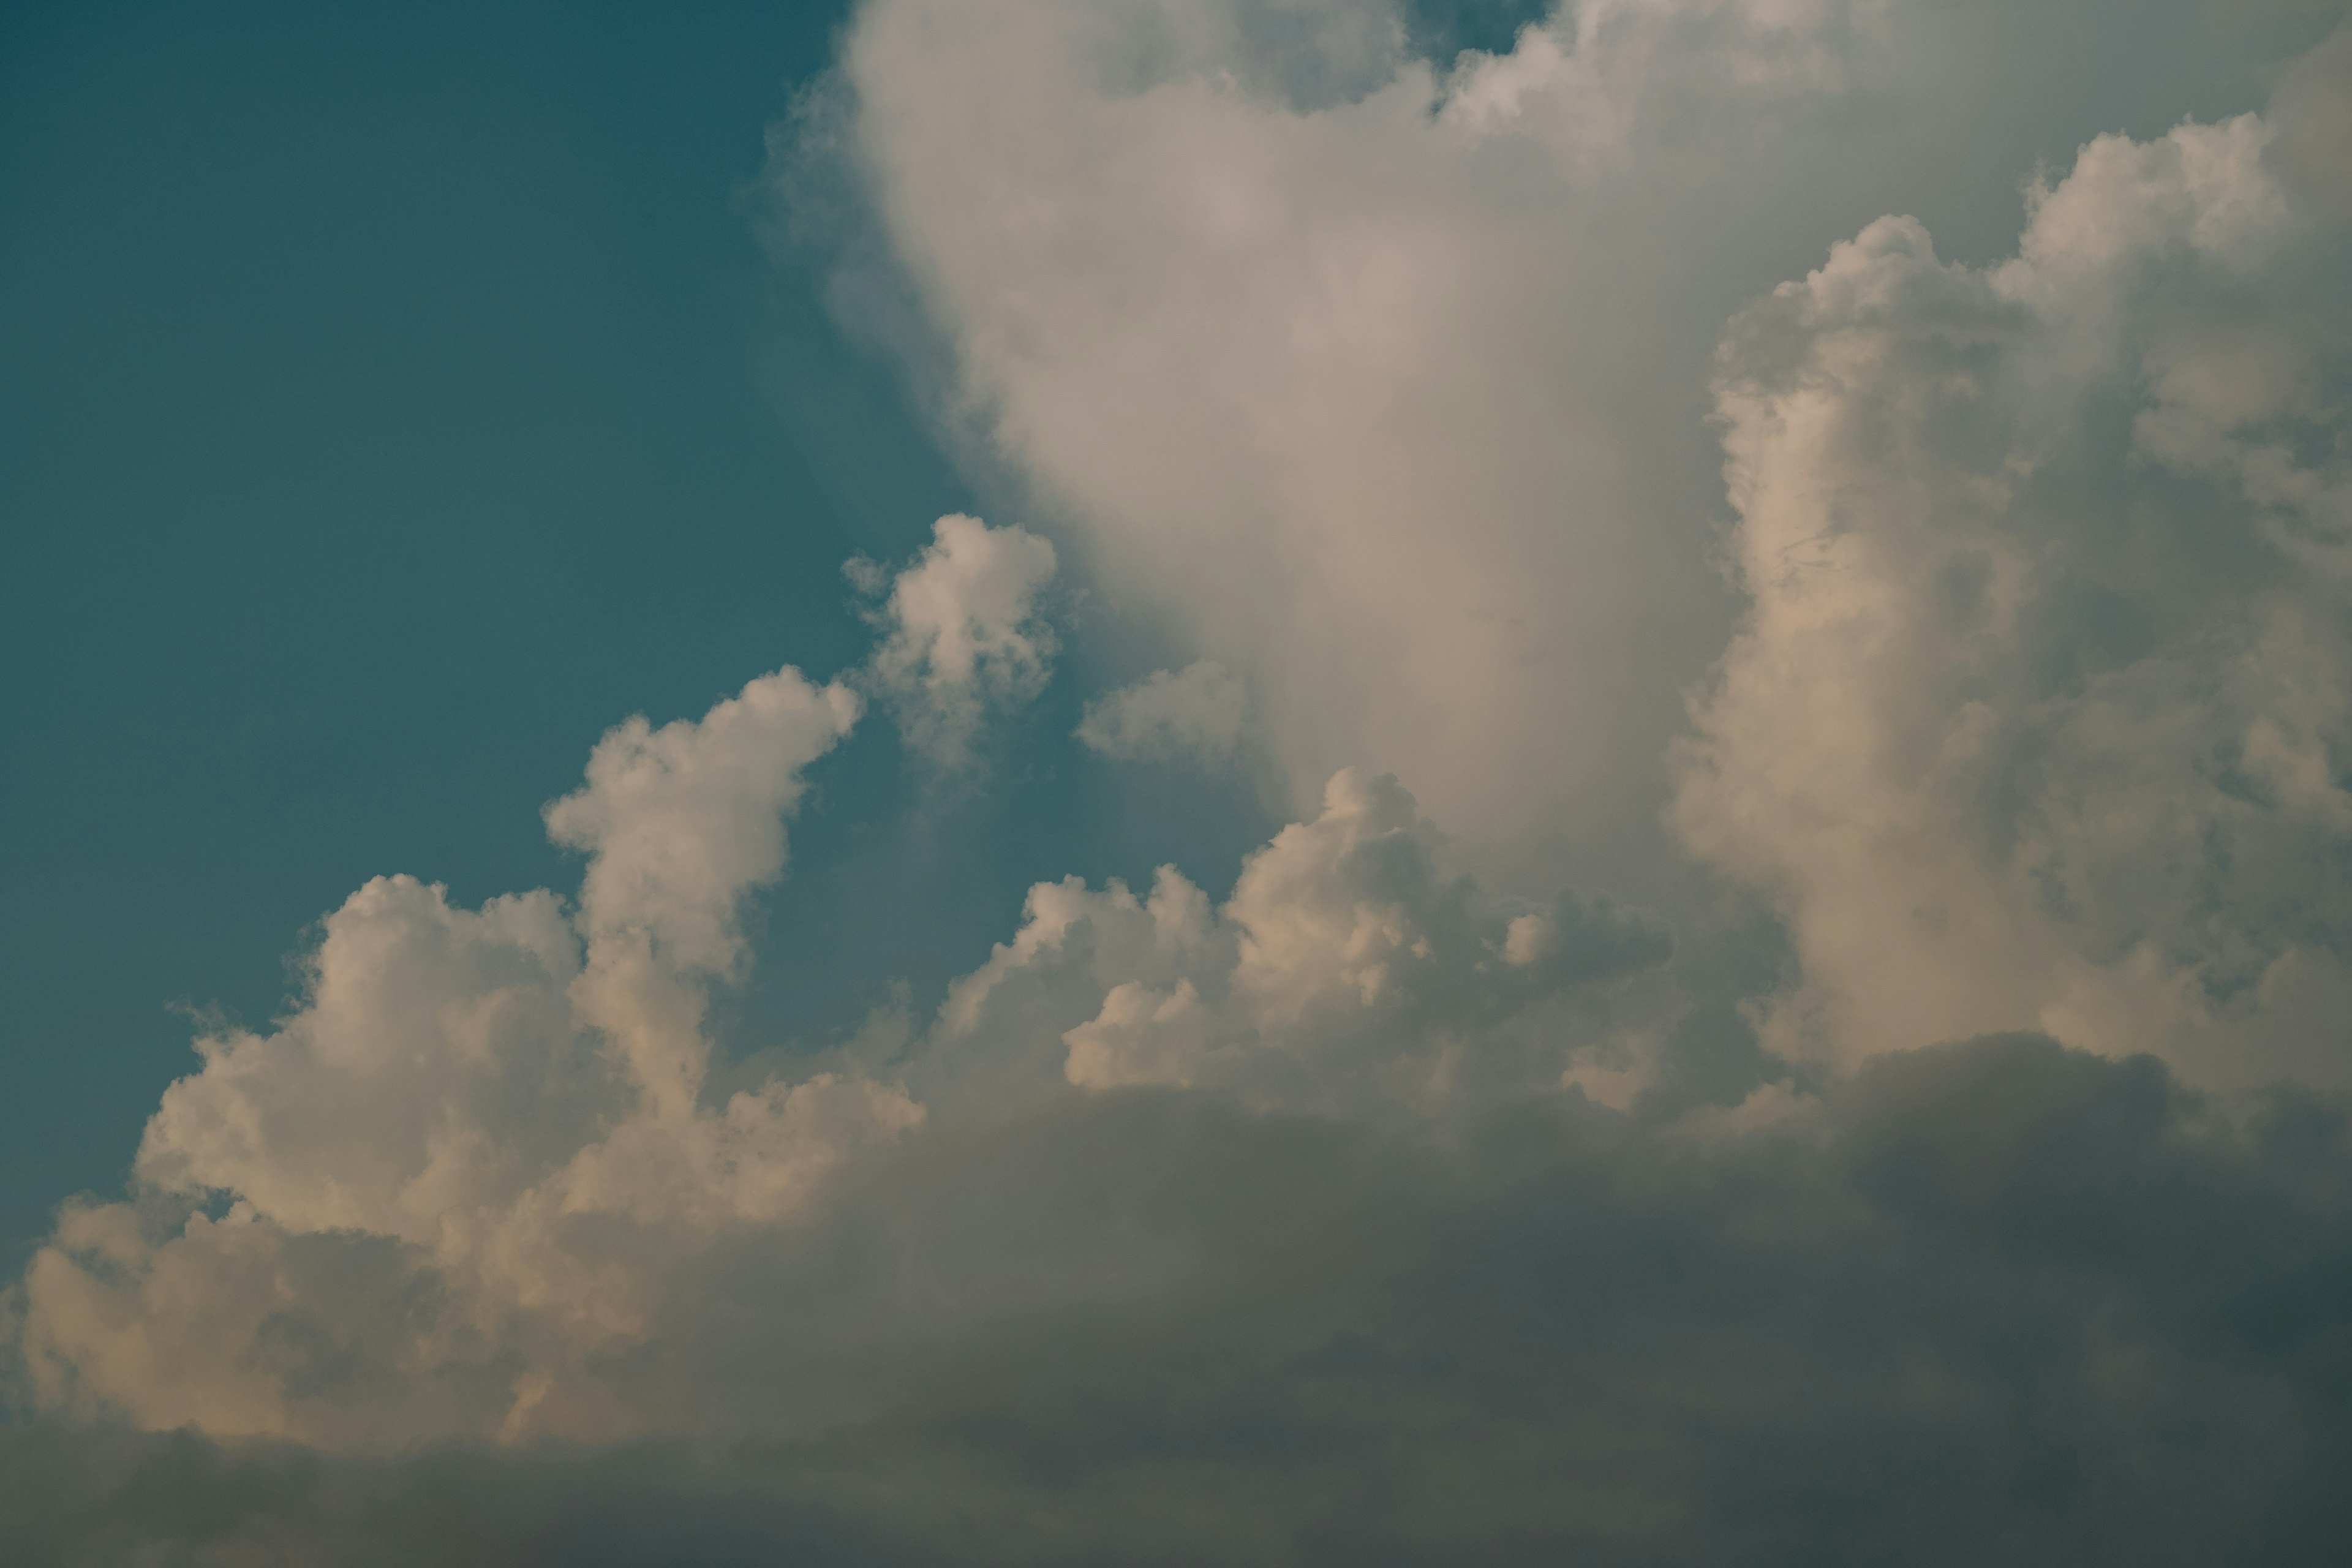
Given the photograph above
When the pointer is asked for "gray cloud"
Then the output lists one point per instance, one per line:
(1994, 1300)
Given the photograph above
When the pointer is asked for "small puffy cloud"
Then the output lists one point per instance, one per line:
(1194, 714)
(963, 633)
(678, 822)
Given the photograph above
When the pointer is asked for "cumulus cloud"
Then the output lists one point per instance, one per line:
(2043, 712)
(1349, 966)
(479, 1186)
(1194, 714)
(679, 822)
(465, 1165)
(964, 635)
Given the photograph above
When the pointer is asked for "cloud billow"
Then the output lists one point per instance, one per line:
(963, 635)
(2041, 713)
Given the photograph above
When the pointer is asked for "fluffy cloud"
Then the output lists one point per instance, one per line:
(1349, 967)
(964, 634)
(679, 822)
(1194, 714)
(464, 1164)
(479, 1184)
(2043, 709)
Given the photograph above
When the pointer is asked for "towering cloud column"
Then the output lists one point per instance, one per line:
(2043, 714)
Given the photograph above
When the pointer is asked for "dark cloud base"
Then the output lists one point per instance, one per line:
(2003, 1303)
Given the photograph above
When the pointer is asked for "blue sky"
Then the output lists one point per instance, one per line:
(1624, 838)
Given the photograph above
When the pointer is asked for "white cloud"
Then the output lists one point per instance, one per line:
(476, 1158)
(477, 1185)
(1307, 372)
(2043, 714)
(679, 822)
(1349, 968)
(964, 635)
(1194, 714)
(1385, 380)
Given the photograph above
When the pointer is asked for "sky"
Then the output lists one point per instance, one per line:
(1119, 780)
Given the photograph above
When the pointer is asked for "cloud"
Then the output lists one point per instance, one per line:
(1398, 1205)
(679, 822)
(1350, 967)
(1995, 1301)
(464, 1166)
(1278, 330)
(963, 632)
(2041, 712)
(1194, 714)
(2312, 120)
(481, 1184)
(1384, 377)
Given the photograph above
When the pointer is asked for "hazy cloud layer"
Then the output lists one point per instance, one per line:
(1995, 1301)
(1194, 714)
